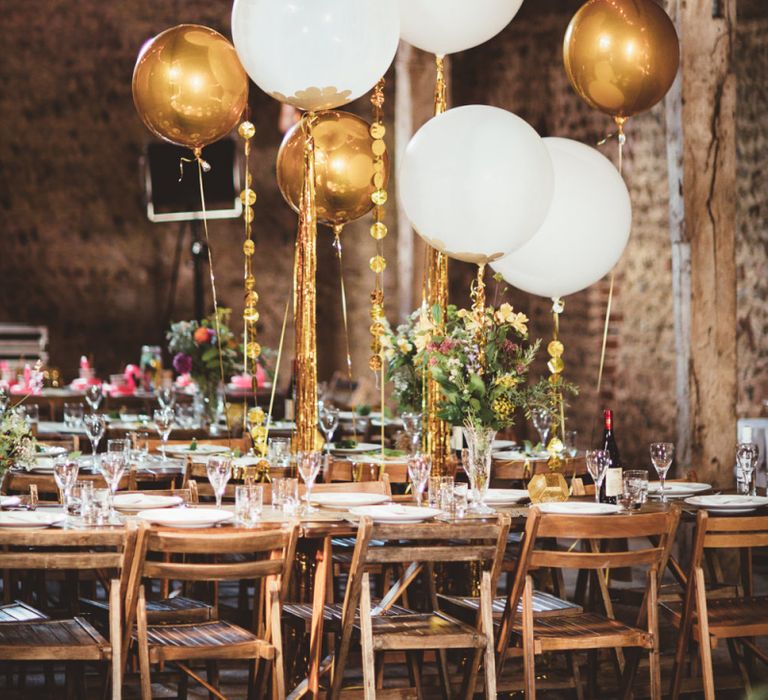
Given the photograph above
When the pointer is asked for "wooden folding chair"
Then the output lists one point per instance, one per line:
(530, 634)
(73, 639)
(742, 617)
(269, 556)
(385, 627)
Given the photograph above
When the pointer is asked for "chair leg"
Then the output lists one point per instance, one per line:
(573, 664)
(414, 659)
(366, 641)
(705, 649)
(143, 644)
(278, 670)
(212, 676)
(630, 671)
(486, 620)
(529, 653)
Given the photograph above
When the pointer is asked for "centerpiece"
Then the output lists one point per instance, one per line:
(480, 359)
(17, 445)
(207, 359)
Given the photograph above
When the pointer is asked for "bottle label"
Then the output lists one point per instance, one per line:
(289, 412)
(613, 482)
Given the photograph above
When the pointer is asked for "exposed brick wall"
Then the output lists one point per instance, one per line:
(79, 255)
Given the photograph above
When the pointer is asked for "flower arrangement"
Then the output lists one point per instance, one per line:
(401, 350)
(480, 359)
(195, 350)
(17, 446)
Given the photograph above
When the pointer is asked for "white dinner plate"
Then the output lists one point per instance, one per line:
(29, 520)
(135, 502)
(579, 508)
(203, 450)
(9, 501)
(499, 497)
(360, 447)
(503, 444)
(396, 513)
(677, 489)
(348, 499)
(519, 456)
(246, 461)
(50, 450)
(42, 465)
(728, 504)
(187, 518)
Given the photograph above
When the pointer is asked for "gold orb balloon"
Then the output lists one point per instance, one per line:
(621, 56)
(188, 85)
(344, 167)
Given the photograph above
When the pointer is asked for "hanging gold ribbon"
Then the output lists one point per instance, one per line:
(305, 300)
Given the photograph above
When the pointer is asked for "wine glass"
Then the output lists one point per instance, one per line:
(219, 470)
(65, 473)
(747, 454)
(308, 464)
(542, 423)
(413, 426)
(112, 468)
(166, 397)
(419, 468)
(163, 418)
(598, 462)
(328, 418)
(661, 456)
(95, 426)
(571, 438)
(5, 401)
(94, 396)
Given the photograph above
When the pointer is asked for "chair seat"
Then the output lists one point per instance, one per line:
(583, 631)
(215, 639)
(67, 640)
(20, 612)
(544, 604)
(331, 613)
(729, 617)
(164, 611)
(424, 631)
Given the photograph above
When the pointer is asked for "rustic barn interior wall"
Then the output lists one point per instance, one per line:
(79, 255)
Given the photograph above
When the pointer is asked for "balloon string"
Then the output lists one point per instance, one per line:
(622, 139)
(337, 229)
(277, 366)
(200, 170)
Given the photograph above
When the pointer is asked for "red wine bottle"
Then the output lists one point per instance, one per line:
(612, 482)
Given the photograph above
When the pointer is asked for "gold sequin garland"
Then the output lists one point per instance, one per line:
(378, 229)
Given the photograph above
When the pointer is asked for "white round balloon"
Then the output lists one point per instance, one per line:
(447, 26)
(585, 232)
(315, 55)
(476, 182)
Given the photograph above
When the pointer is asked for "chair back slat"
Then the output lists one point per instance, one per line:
(62, 561)
(736, 540)
(542, 558)
(217, 541)
(596, 527)
(193, 571)
(478, 530)
(429, 553)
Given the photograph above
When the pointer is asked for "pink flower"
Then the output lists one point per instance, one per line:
(432, 361)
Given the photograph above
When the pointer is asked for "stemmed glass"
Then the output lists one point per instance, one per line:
(598, 462)
(95, 425)
(219, 470)
(65, 473)
(661, 457)
(571, 438)
(412, 424)
(166, 397)
(419, 468)
(542, 423)
(94, 396)
(308, 464)
(747, 454)
(112, 469)
(5, 401)
(163, 418)
(328, 418)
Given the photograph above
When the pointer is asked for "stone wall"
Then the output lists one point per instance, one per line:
(79, 255)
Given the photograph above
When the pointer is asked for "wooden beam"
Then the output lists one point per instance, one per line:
(702, 169)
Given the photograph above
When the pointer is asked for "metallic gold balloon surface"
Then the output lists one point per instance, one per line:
(621, 56)
(188, 85)
(344, 167)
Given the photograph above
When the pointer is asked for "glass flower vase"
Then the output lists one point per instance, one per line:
(480, 446)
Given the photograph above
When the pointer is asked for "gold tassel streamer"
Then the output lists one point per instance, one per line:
(305, 301)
